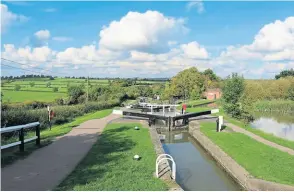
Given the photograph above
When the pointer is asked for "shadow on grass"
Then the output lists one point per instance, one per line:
(105, 154)
(223, 127)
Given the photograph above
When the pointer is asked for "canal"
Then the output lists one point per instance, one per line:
(278, 124)
(196, 170)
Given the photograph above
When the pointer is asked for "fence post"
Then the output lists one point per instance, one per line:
(38, 140)
(21, 139)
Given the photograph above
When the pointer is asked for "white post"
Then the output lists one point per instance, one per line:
(151, 109)
(221, 122)
(163, 109)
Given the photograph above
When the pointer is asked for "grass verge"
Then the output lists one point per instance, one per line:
(197, 109)
(260, 160)
(11, 154)
(109, 165)
(267, 136)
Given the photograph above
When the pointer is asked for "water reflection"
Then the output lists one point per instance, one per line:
(195, 169)
(281, 125)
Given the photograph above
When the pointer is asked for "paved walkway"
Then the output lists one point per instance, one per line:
(260, 139)
(45, 168)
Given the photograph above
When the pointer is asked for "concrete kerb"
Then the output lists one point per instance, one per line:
(237, 172)
(165, 169)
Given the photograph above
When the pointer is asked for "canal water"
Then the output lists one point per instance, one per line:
(196, 170)
(278, 124)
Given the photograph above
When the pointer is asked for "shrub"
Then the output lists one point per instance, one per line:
(48, 84)
(291, 92)
(55, 89)
(17, 87)
(32, 84)
(21, 115)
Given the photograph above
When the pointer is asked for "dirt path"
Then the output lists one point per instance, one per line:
(260, 139)
(45, 168)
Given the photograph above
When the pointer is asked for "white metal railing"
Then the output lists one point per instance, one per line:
(162, 157)
(22, 141)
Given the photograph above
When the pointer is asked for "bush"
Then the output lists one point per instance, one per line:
(32, 84)
(48, 84)
(17, 87)
(291, 92)
(74, 92)
(19, 116)
(55, 89)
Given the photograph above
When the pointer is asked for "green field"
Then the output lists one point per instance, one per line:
(21, 96)
(109, 165)
(260, 160)
(40, 91)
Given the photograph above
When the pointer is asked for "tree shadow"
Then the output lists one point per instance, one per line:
(107, 150)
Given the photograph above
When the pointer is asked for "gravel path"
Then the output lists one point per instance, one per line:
(45, 168)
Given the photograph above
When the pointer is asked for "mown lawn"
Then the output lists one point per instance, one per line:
(109, 166)
(258, 159)
(10, 155)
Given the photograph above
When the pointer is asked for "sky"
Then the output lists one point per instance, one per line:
(146, 39)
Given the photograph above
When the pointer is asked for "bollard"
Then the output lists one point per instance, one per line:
(217, 125)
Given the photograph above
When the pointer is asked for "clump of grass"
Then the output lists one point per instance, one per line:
(260, 160)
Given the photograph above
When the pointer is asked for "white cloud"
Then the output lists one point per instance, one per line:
(275, 36)
(286, 54)
(196, 4)
(193, 50)
(141, 31)
(8, 18)
(42, 35)
(62, 39)
(50, 10)
(274, 42)
(27, 54)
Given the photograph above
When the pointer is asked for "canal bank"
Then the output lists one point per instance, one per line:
(236, 171)
(196, 170)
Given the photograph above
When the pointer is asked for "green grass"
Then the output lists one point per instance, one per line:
(21, 96)
(197, 109)
(109, 166)
(267, 136)
(258, 159)
(47, 136)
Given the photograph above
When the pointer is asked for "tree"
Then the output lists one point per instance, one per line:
(187, 81)
(55, 89)
(285, 73)
(17, 87)
(48, 84)
(232, 92)
(32, 84)
(74, 92)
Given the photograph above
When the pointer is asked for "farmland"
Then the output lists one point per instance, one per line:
(43, 89)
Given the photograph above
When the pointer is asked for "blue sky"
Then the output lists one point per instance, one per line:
(214, 26)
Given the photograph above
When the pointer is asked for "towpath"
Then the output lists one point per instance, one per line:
(45, 168)
(238, 129)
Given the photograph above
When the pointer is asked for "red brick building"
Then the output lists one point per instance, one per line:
(212, 94)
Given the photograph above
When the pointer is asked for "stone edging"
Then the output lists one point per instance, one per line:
(165, 165)
(237, 172)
